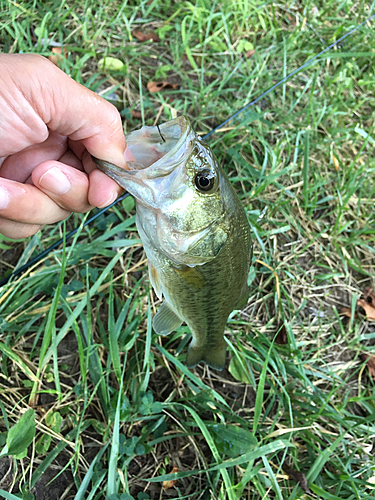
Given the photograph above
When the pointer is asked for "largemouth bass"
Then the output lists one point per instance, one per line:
(194, 231)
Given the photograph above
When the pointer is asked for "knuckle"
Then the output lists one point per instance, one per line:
(62, 215)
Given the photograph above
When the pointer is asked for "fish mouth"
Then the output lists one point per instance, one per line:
(159, 149)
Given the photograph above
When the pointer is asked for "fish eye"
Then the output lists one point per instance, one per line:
(205, 181)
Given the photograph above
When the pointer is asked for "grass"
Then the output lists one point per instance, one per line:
(115, 407)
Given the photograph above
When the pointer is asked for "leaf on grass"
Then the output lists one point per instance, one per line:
(21, 435)
(57, 54)
(37, 32)
(238, 369)
(232, 440)
(282, 336)
(370, 364)
(368, 303)
(164, 85)
(40, 33)
(54, 420)
(245, 45)
(171, 482)
(298, 477)
(43, 444)
(144, 37)
(110, 64)
(346, 311)
(249, 53)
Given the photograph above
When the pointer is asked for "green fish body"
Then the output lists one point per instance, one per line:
(194, 231)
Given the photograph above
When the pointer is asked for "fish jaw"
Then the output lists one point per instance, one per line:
(127, 179)
(159, 147)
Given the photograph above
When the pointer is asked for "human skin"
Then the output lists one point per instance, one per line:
(49, 127)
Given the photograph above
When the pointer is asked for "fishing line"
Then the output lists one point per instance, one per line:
(218, 127)
(41, 255)
(283, 80)
(161, 135)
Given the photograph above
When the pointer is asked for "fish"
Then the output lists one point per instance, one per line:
(194, 231)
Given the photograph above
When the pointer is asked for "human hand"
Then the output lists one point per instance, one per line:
(49, 127)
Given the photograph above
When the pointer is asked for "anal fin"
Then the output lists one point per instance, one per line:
(165, 320)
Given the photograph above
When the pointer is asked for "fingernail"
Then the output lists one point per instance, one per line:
(111, 199)
(55, 181)
(4, 198)
(128, 155)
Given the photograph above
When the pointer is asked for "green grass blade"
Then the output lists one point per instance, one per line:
(260, 392)
(80, 495)
(189, 373)
(113, 335)
(226, 464)
(112, 486)
(83, 303)
(8, 496)
(19, 362)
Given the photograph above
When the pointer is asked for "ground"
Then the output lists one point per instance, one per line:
(292, 413)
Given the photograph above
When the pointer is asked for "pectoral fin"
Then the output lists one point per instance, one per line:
(213, 357)
(165, 320)
(155, 281)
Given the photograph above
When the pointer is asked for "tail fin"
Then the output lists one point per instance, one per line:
(214, 357)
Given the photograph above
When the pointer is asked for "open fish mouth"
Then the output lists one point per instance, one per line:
(158, 152)
(160, 148)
